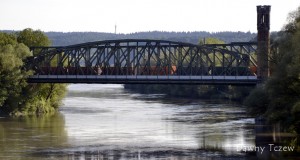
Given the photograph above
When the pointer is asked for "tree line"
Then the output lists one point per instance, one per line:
(70, 38)
(59, 38)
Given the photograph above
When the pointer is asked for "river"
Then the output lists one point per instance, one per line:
(108, 122)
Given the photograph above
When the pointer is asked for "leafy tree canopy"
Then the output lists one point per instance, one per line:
(16, 96)
(33, 38)
(12, 76)
(7, 39)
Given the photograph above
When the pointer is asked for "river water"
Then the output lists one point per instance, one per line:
(108, 122)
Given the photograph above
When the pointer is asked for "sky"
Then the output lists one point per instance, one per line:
(131, 16)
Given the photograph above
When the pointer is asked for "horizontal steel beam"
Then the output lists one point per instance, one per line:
(199, 80)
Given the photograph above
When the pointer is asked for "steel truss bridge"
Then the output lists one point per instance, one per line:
(132, 61)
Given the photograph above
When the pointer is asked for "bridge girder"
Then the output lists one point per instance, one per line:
(133, 57)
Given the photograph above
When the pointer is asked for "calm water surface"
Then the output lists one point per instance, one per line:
(108, 122)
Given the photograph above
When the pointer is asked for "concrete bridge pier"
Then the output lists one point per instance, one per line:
(263, 42)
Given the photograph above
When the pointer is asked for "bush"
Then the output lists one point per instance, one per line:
(257, 102)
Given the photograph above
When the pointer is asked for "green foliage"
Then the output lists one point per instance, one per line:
(257, 101)
(16, 96)
(53, 93)
(284, 85)
(293, 22)
(33, 38)
(41, 98)
(12, 76)
(6, 39)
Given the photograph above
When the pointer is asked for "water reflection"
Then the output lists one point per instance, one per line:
(109, 121)
(270, 140)
(23, 136)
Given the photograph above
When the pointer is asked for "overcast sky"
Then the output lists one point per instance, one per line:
(140, 15)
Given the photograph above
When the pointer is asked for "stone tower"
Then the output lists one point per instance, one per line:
(263, 41)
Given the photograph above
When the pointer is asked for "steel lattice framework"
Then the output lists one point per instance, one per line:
(145, 61)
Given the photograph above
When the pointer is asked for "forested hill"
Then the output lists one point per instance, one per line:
(70, 38)
(59, 38)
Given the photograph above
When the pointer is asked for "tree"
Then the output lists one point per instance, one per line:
(6, 39)
(12, 75)
(40, 98)
(16, 96)
(283, 87)
(33, 38)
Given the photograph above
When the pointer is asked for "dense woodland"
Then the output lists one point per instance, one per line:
(69, 38)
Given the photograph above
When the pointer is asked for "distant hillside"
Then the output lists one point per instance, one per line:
(59, 38)
(69, 38)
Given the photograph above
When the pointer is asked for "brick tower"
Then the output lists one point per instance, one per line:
(263, 40)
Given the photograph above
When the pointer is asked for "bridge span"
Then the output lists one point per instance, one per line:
(131, 61)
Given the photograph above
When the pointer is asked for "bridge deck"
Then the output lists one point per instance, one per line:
(144, 79)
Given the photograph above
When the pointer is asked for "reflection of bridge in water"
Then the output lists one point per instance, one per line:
(145, 61)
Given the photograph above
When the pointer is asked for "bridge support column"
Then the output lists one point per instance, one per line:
(263, 41)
